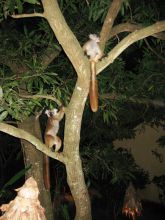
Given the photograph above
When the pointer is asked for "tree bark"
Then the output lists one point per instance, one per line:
(75, 175)
(75, 179)
(34, 158)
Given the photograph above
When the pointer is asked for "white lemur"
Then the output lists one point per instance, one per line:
(51, 139)
(92, 49)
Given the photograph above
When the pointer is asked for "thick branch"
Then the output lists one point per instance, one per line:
(127, 41)
(49, 55)
(108, 22)
(17, 65)
(65, 36)
(129, 27)
(19, 133)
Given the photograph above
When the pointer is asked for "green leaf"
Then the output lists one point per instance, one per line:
(3, 115)
(30, 86)
(19, 6)
(64, 212)
(151, 88)
(31, 1)
(11, 6)
(113, 115)
(122, 10)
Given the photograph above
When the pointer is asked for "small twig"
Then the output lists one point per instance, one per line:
(87, 2)
(11, 122)
(153, 51)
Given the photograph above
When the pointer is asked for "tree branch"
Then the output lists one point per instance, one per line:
(129, 27)
(16, 64)
(49, 55)
(108, 22)
(127, 41)
(42, 97)
(19, 133)
(28, 15)
(18, 67)
(65, 37)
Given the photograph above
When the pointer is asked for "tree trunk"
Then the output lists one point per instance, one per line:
(75, 175)
(75, 179)
(35, 158)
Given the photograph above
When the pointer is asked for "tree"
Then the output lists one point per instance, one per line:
(74, 112)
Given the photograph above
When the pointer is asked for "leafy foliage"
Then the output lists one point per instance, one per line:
(32, 76)
(106, 163)
(8, 7)
(98, 10)
(160, 182)
(141, 86)
(18, 105)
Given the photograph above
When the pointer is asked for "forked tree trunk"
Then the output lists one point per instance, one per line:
(34, 158)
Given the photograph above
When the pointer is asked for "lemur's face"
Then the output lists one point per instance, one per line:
(51, 113)
(94, 37)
